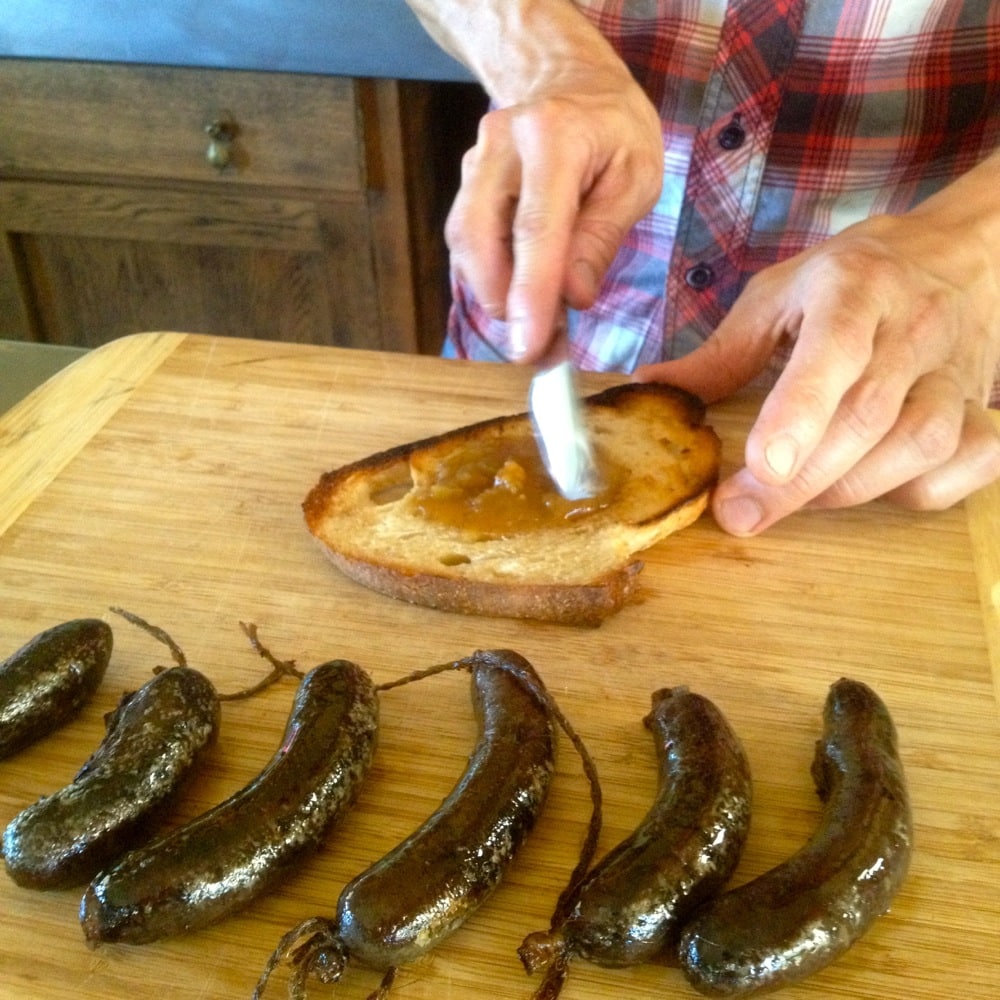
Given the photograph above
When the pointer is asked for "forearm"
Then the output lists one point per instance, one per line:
(970, 205)
(518, 49)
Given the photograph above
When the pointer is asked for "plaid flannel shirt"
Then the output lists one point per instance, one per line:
(784, 122)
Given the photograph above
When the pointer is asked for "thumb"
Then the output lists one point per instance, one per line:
(730, 358)
(599, 232)
(607, 213)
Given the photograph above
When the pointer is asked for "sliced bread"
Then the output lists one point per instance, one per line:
(468, 521)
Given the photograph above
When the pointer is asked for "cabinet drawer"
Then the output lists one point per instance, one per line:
(150, 123)
(92, 262)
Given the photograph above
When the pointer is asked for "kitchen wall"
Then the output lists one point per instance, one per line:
(379, 38)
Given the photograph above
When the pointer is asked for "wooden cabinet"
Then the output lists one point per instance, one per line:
(291, 207)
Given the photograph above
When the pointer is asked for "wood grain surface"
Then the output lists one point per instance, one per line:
(164, 473)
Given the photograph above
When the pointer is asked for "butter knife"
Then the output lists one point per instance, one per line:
(561, 432)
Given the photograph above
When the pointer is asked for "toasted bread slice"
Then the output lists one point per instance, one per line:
(468, 521)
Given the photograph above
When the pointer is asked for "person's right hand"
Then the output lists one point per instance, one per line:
(548, 193)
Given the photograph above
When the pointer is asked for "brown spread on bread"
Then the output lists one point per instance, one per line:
(496, 485)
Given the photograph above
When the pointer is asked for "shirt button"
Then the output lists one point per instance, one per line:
(732, 136)
(699, 277)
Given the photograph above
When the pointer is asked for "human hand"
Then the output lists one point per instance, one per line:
(548, 193)
(895, 325)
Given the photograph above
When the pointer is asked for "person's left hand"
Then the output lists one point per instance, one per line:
(895, 325)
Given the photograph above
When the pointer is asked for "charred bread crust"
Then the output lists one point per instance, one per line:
(577, 604)
(400, 573)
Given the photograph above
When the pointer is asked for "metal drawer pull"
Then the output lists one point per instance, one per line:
(221, 132)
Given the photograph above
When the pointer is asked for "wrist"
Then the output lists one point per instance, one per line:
(970, 207)
(522, 49)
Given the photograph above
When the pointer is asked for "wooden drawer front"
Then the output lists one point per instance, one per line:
(94, 262)
(142, 122)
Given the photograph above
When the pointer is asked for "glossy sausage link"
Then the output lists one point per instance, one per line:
(154, 739)
(227, 857)
(46, 682)
(800, 916)
(430, 884)
(424, 889)
(629, 907)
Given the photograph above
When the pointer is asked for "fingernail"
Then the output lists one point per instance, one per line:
(740, 515)
(517, 338)
(781, 455)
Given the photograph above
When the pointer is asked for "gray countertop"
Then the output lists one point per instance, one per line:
(24, 366)
(379, 38)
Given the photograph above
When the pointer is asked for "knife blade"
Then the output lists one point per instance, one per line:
(561, 432)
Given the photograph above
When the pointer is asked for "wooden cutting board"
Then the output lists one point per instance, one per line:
(164, 473)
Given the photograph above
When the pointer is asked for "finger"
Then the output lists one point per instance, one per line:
(926, 436)
(975, 463)
(739, 505)
(599, 232)
(747, 504)
(551, 182)
(833, 348)
(730, 358)
(939, 450)
(737, 350)
(478, 228)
